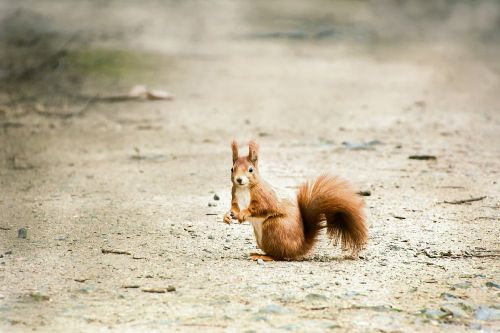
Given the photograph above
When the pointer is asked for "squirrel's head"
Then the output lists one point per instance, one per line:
(245, 170)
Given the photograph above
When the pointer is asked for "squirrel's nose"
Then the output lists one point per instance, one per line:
(239, 180)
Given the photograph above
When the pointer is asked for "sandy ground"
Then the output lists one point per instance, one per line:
(140, 176)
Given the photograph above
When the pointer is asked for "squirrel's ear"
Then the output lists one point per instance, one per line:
(253, 151)
(234, 148)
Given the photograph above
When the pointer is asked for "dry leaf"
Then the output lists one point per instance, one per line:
(159, 94)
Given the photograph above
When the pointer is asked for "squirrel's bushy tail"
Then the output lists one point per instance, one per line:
(331, 199)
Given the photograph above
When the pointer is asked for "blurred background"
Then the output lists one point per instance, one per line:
(58, 53)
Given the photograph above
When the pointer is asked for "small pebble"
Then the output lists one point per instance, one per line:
(365, 193)
(216, 197)
(22, 233)
(492, 285)
(260, 261)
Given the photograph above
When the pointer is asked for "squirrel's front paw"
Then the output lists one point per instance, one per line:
(242, 216)
(228, 217)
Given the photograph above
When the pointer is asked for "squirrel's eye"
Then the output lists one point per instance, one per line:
(250, 169)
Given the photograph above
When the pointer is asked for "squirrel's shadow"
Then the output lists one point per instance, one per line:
(315, 258)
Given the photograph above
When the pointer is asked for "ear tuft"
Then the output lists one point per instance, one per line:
(253, 151)
(234, 148)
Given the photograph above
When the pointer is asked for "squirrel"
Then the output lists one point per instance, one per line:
(288, 229)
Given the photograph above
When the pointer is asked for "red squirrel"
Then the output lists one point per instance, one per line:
(288, 229)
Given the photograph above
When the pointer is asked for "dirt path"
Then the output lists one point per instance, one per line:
(140, 177)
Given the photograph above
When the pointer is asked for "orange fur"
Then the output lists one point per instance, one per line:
(234, 148)
(290, 229)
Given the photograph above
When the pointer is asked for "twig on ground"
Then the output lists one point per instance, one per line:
(80, 112)
(449, 255)
(422, 157)
(459, 202)
(150, 95)
(319, 308)
(478, 256)
(131, 286)
(111, 251)
(81, 280)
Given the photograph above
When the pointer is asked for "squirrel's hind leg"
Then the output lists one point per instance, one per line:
(257, 256)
